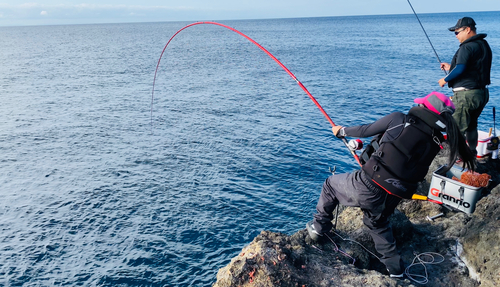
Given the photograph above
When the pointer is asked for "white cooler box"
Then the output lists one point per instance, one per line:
(454, 193)
(482, 144)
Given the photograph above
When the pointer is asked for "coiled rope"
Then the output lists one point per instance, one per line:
(422, 259)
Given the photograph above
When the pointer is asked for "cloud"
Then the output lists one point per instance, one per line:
(87, 6)
(27, 5)
(85, 12)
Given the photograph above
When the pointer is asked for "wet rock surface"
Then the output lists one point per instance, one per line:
(463, 248)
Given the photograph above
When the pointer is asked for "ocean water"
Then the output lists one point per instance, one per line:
(101, 188)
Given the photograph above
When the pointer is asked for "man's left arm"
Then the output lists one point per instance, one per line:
(457, 71)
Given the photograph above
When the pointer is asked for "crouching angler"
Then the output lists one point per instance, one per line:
(407, 146)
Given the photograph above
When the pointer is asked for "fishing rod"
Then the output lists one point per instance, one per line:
(351, 150)
(270, 55)
(494, 123)
(428, 39)
(494, 141)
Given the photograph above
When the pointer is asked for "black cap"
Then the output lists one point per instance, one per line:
(463, 22)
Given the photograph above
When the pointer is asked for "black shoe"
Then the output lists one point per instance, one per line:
(315, 235)
(395, 272)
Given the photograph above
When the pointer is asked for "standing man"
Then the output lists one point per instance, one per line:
(469, 74)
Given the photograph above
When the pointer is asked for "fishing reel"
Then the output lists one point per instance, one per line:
(356, 144)
(493, 144)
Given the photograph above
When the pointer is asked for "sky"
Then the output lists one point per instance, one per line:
(59, 12)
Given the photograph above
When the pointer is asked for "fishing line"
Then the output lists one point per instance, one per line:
(428, 39)
(353, 152)
(270, 55)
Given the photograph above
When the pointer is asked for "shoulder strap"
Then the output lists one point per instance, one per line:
(370, 148)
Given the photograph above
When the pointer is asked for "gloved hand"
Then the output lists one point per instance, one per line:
(338, 132)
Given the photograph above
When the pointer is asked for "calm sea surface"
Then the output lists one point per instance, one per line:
(96, 192)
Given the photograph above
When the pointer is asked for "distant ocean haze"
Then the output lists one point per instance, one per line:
(95, 191)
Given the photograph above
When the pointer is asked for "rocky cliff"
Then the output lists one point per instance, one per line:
(458, 249)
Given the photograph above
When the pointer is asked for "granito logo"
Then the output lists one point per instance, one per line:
(437, 193)
(396, 183)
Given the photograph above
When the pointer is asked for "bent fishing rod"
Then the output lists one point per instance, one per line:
(270, 55)
(352, 151)
(428, 39)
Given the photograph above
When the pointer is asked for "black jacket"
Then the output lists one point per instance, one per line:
(407, 148)
(475, 54)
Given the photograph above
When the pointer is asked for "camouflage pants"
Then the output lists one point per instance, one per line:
(468, 107)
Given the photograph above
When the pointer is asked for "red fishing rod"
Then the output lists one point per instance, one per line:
(270, 55)
(352, 150)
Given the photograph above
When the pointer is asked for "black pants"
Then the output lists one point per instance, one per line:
(354, 189)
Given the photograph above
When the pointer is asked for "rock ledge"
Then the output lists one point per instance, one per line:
(468, 243)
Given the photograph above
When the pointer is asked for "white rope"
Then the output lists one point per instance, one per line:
(421, 259)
